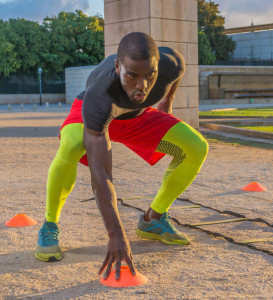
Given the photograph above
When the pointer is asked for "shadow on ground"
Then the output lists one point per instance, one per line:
(29, 132)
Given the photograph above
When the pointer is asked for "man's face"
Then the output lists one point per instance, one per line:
(137, 77)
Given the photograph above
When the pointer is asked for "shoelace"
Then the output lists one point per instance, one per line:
(167, 224)
(49, 236)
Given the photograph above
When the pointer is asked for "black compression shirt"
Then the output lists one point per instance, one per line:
(105, 100)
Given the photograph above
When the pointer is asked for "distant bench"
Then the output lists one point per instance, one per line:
(253, 96)
(250, 93)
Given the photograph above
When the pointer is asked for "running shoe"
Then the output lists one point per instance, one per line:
(47, 248)
(162, 230)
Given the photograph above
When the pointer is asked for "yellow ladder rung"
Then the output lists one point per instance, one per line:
(219, 222)
(256, 241)
(140, 197)
(184, 207)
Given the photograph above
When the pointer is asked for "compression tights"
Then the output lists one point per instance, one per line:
(63, 170)
(189, 150)
(185, 144)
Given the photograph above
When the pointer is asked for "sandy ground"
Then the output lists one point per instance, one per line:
(214, 266)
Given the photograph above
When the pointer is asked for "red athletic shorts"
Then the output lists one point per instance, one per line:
(141, 134)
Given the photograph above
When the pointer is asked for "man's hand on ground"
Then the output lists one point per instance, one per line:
(118, 249)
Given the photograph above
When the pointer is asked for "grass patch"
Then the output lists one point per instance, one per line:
(213, 138)
(259, 128)
(249, 112)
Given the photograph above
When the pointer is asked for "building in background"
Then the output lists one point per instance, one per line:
(254, 45)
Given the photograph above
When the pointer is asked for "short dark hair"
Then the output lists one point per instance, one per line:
(137, 46)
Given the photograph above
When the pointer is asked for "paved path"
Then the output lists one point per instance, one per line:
(225, 260)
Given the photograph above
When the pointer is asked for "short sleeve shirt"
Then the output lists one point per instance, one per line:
(105, 99)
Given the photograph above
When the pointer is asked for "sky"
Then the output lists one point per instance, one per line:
(237, 13)
(37, 10)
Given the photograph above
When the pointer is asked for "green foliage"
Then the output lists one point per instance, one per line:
(70, 39)
(250, 112)
(9, 62)
(206, 55)
(76, 40)
(30, 42)
(212, 25)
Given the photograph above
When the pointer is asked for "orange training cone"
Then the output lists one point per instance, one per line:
(254, 187)
(126, 278)
(20, 220)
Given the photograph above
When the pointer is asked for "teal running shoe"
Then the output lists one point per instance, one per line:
(162, 230)
(48, 248)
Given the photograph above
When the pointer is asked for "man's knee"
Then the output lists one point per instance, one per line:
(198, 146)
(71, 144)
(194, 144)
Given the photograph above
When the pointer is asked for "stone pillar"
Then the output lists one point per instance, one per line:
(171, 23)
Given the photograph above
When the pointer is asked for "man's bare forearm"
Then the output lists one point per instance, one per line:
(98, 150)
(106, 199)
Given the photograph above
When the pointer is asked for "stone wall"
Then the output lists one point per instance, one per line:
(171, 23)
(225, 82)
(75, 81)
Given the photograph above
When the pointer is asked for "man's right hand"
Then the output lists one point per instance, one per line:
(98, 150)
(118, 250)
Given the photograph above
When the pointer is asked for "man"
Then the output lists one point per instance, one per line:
(117, 106)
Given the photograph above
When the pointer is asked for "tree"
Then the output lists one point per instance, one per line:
(70, 39)
(212, 25)
(21, 44)
(9, 61)
(25, 42)
(75, 40)
(206, 55)
(30, 42)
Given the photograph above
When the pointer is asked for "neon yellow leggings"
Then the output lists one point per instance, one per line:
(63, 170)
(189, 150)
(187, 146)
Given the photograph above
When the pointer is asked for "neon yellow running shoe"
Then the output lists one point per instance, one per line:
(48, 248)
(162, 230)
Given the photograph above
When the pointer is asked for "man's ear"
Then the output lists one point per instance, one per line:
(117, 68)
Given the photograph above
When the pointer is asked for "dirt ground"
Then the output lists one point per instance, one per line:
(217, 265)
